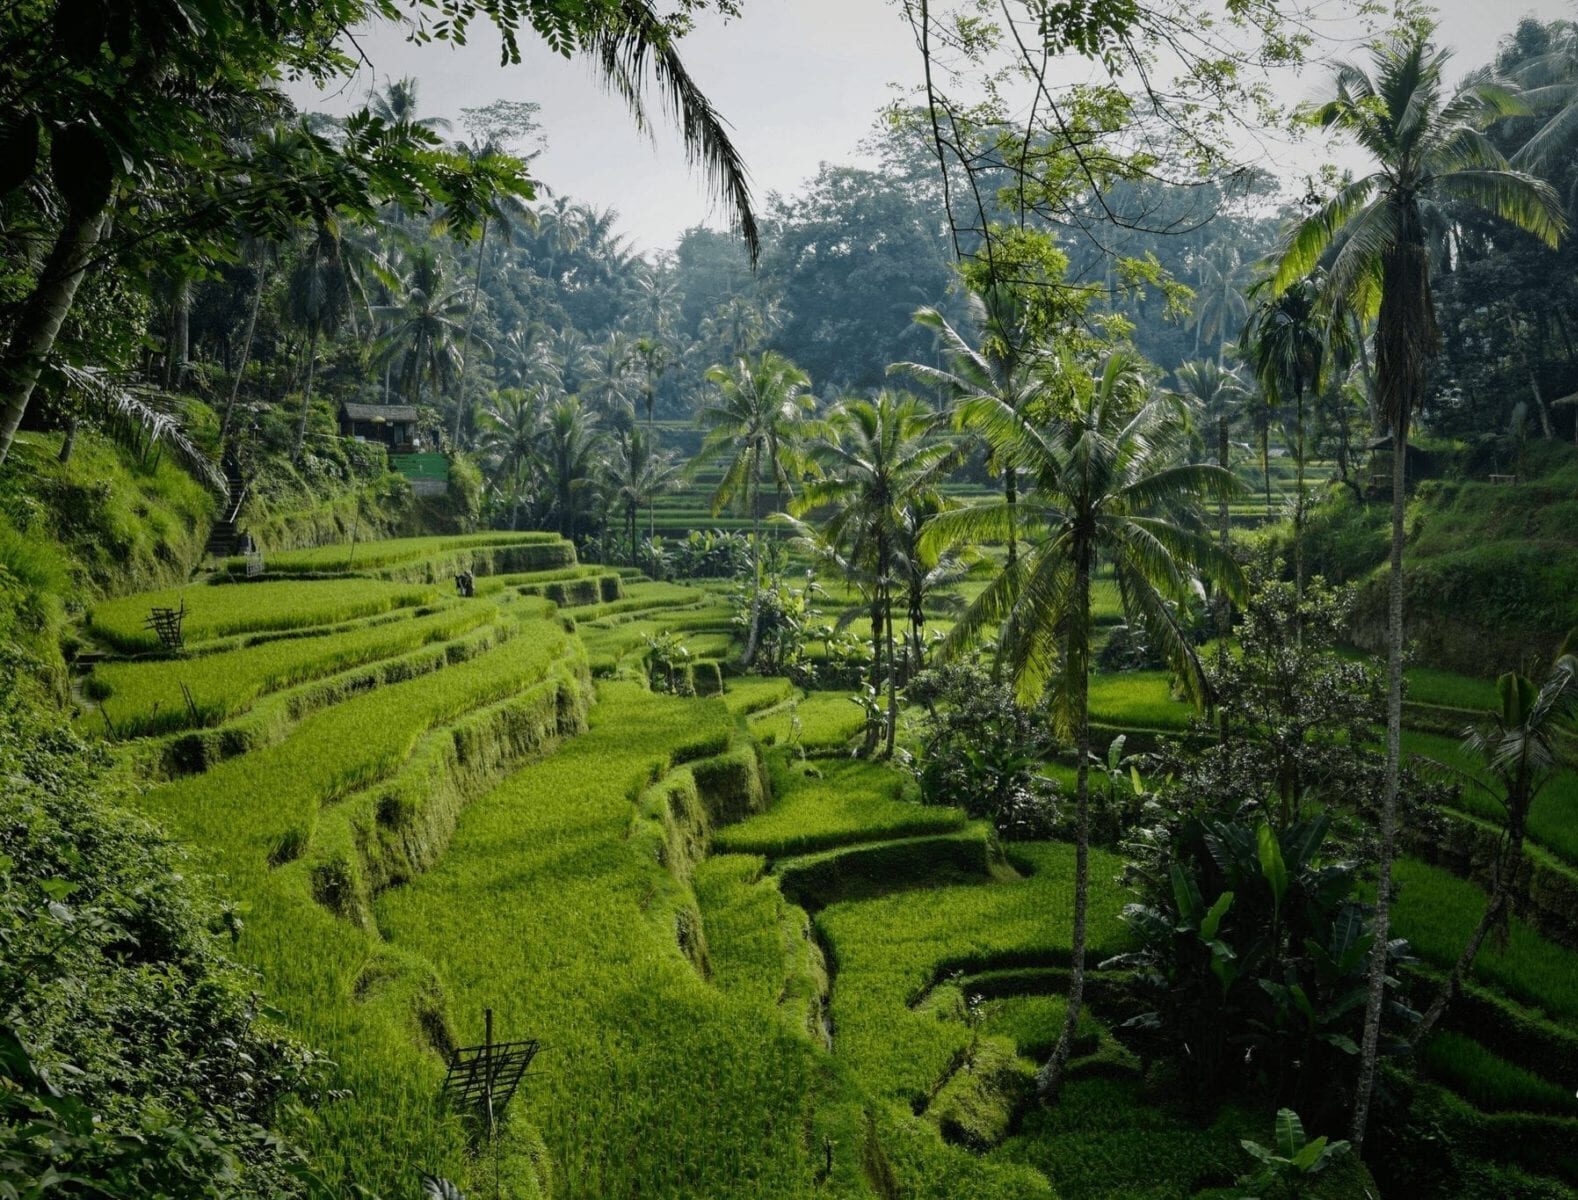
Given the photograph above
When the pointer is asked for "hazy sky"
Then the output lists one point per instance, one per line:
(800, 81)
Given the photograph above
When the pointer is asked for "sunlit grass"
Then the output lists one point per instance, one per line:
(216, 611)
(147, 697)
(842, 802)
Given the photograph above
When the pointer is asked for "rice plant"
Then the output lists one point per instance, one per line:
(219, 611)
(159, 695)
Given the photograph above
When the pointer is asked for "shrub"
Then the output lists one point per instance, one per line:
(980, 750)
(1253, 949)
(131, 1051)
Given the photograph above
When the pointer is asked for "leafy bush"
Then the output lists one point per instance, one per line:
(980, 750)
(711, 554)
(133, 1061)
(668, 663)
(1253, 951)
(1287, 1169)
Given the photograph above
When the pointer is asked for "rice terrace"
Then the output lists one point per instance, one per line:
(1022, 644)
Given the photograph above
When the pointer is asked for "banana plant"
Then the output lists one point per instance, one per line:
(1287, 1168)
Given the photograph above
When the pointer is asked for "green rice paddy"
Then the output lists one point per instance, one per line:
(757, 966)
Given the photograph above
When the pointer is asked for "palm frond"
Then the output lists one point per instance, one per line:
(631, 42)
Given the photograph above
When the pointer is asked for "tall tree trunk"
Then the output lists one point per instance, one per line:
(1298, 506)
(753, 492)
(179, 348)
(1370, 1045)
(1265, 461)
(1224, 606)
(1011, 496)
(38, 322)
(893, 663)
(70, 442)
(1406, 336)
(246, 354)
(1049, 1080)
(306, 393)
(471, 316)
(652, 448)
(1539, 404)
(1372, 406)
(1534, 382)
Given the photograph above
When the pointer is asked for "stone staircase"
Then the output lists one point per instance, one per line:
(226, 538)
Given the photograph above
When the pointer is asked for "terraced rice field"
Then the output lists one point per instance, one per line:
(757, 966)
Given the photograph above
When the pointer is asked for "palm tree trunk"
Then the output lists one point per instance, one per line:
(70, 442)
(1224, 620)
(893, 672)
(1376, 426)
(306, 394)
(1298, 506)
(1500, 894)
(38, 322)
(246, 355)
(1265, 461)
(1049, 1080)
(1011, 496)
(1370, 1045)
(471, 316)
(652, 447)
(179, 348)
(755, 493)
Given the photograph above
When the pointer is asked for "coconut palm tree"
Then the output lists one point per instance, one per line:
(638, 473)
(500, 210)
(1427, 143)
(1522, 751)
(1106, 479)
(610, 382)
(878, 459)
(512, 430)
(317, 298)
(752, 427)
(424, 325)
(397, 104)
(1005, 369)
(1219, 397)
(571, 456)
(928, 576)
(1550, 88)
(1284, 343)
(1219, 304)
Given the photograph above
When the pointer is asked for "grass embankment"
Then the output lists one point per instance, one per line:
(1491, 569)
(841, 801)
(118, 522)
(424, 559)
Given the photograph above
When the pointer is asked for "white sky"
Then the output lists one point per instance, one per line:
(800, 81)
